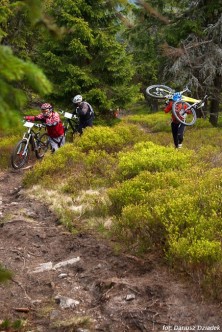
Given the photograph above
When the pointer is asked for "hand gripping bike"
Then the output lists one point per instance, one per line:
(184, 108)
(71, 121)
(31, 140)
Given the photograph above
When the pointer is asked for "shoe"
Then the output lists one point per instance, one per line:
(180, 146)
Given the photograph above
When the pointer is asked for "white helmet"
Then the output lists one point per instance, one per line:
(77, 99)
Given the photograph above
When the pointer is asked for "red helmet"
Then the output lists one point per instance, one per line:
(46, 109)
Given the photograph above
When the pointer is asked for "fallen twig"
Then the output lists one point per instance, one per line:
(21, 309)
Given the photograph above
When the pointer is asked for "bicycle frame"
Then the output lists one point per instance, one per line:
(183, 107)
(30, 136)
(69, 119)
(190, 100)
(20, 153)
(186, 98)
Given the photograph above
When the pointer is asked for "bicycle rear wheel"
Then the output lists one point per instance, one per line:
(20, 154)
(42, 146)
(159, 91)
(184, 113)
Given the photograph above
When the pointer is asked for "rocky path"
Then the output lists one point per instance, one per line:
(65, 282)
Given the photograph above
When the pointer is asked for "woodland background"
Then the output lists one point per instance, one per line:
(110, 51)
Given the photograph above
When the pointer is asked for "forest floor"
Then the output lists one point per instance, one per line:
(86, 286)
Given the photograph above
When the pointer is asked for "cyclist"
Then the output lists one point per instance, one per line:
(85, 113)
(53, 123)
(177, 128)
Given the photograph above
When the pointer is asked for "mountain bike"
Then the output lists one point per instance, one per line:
(71, 121)
(33, 140)
(183, 111)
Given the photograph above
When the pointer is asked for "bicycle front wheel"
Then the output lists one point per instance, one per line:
(159, 91)
(42, 146)
(184, 113)
(20, 155)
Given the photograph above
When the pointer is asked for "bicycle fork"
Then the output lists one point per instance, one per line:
(26, 145)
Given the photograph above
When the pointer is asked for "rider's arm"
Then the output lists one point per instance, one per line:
(33, 117)
(168, 108)
(82, 109)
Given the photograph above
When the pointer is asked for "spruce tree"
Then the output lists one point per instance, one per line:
(17, 76)
(88, 59)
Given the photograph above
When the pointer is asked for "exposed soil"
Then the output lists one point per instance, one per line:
(106, 291)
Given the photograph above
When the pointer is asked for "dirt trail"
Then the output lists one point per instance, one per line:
(98, 290)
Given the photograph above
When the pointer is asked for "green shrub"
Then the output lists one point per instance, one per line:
(62, 163)
(138, 189)
(6, 147)
(152, 157)
(156, 122)
(5, 274)
(138, 228)
(179, 210)
(100, 138)
(108, 139)
(196, 252)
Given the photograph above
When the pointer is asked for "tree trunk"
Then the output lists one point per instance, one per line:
(214, 109)
(215, 103)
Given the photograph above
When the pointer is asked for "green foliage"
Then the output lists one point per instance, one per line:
(16, 75)
(159, 198)
(14, 326)
(99, 138)
(4, 274)
(65, 160)
(138, 189)
(196, 252)
(108, 139)
(156, 122)
(149, 156)
(87, 59)
(6, 147)
(171, 208)
(138, 228)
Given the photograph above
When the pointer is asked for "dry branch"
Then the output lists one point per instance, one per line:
(152, 11)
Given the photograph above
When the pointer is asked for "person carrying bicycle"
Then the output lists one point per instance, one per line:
(85, 113)
(177, 127)
(53, 124)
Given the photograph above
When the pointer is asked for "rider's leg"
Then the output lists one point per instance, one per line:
(174, 128)
(181, 129)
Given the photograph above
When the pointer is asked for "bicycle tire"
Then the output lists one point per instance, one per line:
(184, 113)
(159, 91)
(42, 146)
(18, 157)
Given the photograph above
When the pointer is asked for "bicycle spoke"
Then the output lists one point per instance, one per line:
(159, 91)
(184, 113)
(20, 155)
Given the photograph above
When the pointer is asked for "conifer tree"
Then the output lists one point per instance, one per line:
(194, 52)
(17, 76)
(88, 59)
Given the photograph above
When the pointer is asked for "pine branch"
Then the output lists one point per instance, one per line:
(152, 11)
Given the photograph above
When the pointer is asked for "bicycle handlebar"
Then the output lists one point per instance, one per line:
(68, 115)
(185, 90)
(38, 125)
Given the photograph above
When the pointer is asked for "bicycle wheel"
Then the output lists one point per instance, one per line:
(20, 154)
(42, 146)
(159, 91)
(184, 113)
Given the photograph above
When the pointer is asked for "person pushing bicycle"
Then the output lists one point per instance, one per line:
(85, 113)
(53, 124)
(177, 127)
